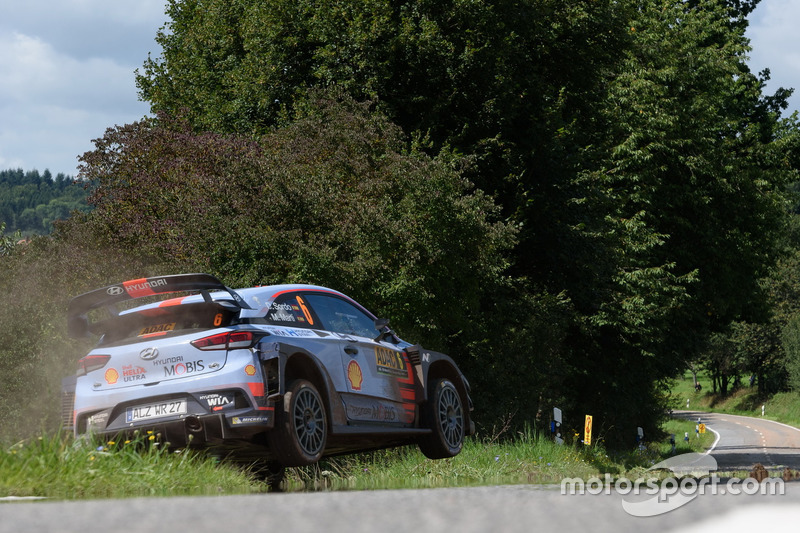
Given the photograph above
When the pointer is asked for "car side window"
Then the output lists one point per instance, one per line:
(292, 309)
(341, 316)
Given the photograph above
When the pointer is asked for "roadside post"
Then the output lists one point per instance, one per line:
(587, 431)
(555, 426)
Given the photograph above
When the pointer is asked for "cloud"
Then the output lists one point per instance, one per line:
(776, 45)
(123, 29)
(36, 72)
(68, 74)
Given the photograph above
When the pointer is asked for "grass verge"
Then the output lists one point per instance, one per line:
(781, 407)
(60, 467)
(526, 459)
(64, 468)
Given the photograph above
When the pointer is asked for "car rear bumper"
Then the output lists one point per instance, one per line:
(214, 428)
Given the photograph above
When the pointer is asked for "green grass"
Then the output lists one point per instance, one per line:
(527, 458)
(63, 468)
(60, 467)
(782, 407)
(698, 442)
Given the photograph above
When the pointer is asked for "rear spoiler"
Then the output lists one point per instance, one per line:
(108, 297)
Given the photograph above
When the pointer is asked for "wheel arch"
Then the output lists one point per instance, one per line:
(302, 365)
(444, 368)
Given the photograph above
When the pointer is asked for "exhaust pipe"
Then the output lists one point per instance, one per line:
(193, 424)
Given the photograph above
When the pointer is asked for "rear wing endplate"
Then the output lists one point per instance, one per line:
(108, 297)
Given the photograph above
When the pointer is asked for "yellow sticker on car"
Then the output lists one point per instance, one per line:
(158, 328)
(390, 362)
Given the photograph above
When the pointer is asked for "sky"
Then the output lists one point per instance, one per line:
(67, 71)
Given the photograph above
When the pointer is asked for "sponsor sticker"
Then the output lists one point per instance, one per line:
(375, 411)
(111, 376)
(133, 373)
(291, 332)
(165, 361)
(355, 376)
(390, 362)
(180, 369)
(216, 401)
(143, 287)
(98, 420)
(250, 370)
(240, 420)
(156, 329)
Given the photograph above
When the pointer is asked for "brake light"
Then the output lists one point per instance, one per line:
(92, 362)
(241, 339)
(226, 341)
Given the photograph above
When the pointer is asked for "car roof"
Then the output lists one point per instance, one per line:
(258, 297)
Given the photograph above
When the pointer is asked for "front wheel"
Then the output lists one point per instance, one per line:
(301, 428)
(443, 414)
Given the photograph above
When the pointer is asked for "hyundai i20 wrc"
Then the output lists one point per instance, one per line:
(292, 373)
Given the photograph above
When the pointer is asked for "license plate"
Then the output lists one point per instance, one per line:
(157, 328)
(155, 410)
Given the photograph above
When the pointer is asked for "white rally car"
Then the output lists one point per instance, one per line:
(288, 372)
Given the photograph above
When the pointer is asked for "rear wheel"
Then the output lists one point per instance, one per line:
(443, 414)
(301, 427)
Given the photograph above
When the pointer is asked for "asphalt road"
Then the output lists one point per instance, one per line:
(525, 508)
(482, 509)
(745, 441)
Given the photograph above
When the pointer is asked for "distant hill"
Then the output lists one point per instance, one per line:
(30, 202)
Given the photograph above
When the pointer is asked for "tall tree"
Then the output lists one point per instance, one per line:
(627, 140)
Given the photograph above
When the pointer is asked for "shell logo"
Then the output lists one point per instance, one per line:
(111, 376)
(250, 370)
(354, 375)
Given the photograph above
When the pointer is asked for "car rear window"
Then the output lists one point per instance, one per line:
(161, 321)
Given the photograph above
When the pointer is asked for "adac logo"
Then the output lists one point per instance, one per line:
(390, 362)
(354, 375)
(111, 376)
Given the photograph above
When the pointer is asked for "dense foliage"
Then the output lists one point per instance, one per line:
(575, 199)
(329, 199)
(30, 202)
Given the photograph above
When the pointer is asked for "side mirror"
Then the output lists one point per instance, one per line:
(382, 325)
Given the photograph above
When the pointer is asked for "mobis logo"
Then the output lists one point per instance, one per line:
(180, 369)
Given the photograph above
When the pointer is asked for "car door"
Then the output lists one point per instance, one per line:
(379, 386)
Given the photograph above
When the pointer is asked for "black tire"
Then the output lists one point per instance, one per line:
(301, 427)
(443, 414)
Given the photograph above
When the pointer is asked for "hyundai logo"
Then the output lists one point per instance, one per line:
(115, 291)
(148, 353)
